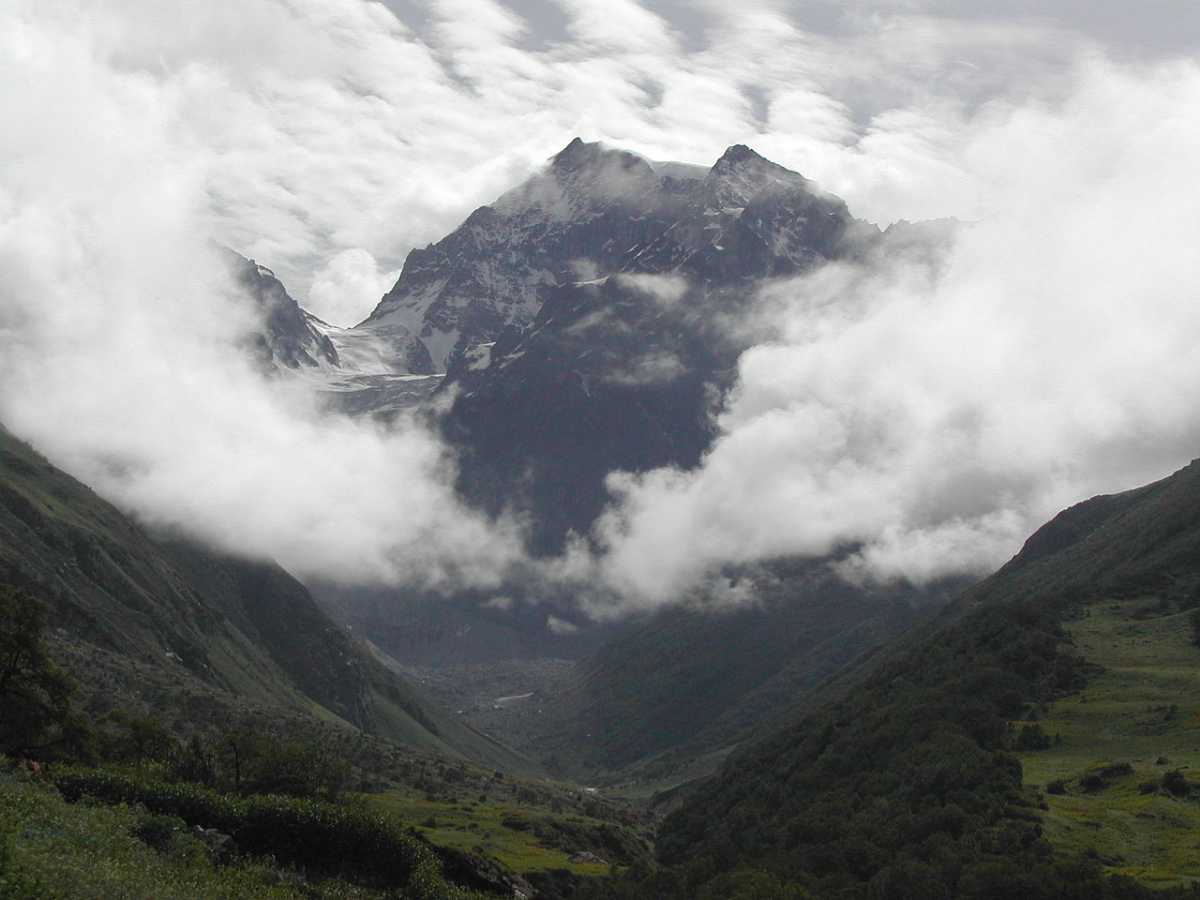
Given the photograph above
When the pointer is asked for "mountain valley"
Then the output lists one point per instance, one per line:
(1033, 733)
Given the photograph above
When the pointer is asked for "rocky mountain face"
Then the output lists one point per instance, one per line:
(597, 211)
(642, 280)
(358, 372)
(290, 337)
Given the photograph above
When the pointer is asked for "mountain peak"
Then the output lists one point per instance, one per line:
(576, 144)
(581, 155)
(740, 153)
(741, 173)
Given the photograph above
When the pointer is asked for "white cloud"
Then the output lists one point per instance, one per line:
(329, 126)
(666, 290)
(119, 354)
(349, 286)
(932, 417)
(561, 627)
(325, 138)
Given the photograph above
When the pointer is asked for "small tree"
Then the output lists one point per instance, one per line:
(34, 693)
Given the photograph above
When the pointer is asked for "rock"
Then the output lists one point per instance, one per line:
(219, 846)
(586, 857)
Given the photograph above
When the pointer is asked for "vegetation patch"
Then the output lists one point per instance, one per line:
(54, 850)
(1118, 786)
(526, 839)
(322, 838)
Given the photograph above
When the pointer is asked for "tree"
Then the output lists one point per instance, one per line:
(34, 693)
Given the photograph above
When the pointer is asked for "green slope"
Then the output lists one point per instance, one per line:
(689, 682)
(1141, 711)
(912, 783)
(167, 625)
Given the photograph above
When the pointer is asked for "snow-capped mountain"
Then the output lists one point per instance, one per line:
(634, 339)
(590, 321)
(584, 320)
(596, 211)
(360, 371)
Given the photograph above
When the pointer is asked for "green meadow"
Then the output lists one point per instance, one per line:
(1137, 721)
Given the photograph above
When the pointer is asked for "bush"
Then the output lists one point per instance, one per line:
(1032, 737)
(1176, 784)
(245, 761)
(320, 837)
(35, 710)
(157, 831)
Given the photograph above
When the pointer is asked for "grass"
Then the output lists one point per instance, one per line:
(478, 827)
(1144, 707)
(56, 849)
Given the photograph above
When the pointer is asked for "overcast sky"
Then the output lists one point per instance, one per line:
(810, 82)
(1053, 359)
(337, 134)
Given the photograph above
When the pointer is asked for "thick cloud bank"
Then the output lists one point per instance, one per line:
(931, 415)
(121, 355)
(929, 418)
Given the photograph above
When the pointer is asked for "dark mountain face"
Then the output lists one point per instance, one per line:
(605, 380)
(592, 319)
(622, 369)
(689, 680)
(288, 337)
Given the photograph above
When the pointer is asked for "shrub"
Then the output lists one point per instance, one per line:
(1032, 737)
(158, 831)
(246, 761)
(35, 710)
(1176, 784)
(322, 838)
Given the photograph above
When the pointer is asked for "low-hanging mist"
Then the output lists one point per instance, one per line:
(928, 414)
(122, 351)
(925, 416)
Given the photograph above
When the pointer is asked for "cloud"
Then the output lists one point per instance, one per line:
(332, 126)
(349, 286)
(326, 138)
(560, 627)
(119, 345)
(652, 367)
(925, 416)
(666, 290)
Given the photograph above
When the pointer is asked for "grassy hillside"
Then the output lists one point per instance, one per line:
(1117, 742)
(101, 834)
(927, 779)
(162, 625)
(688, 682)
